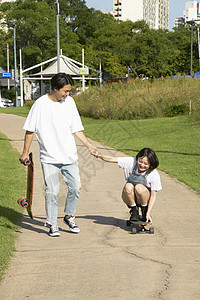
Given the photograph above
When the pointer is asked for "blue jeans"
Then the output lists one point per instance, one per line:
(51, 178)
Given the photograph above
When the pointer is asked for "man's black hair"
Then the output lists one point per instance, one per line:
(152, 158)
(61, 79)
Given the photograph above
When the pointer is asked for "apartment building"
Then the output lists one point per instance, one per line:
(190, 12)
(179, 22)
(154, 12)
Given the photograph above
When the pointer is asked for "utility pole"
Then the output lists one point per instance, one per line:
(57, 10)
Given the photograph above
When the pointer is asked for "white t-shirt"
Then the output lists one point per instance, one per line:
(153, 179)
(54, 124)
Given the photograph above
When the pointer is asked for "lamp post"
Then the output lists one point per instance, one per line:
(192, 23)
(15, 62)
(58, 35)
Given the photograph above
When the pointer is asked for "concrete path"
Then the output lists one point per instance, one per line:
(104, 261)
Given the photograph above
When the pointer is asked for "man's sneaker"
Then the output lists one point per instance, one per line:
(72, 225)
(134, 214)
(54, 231)
(47, 224)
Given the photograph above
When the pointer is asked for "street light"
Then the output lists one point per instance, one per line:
(15, 62)
(192, 23)
(58, 35)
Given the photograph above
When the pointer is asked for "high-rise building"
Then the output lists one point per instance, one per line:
(154, 12)
(191, 11)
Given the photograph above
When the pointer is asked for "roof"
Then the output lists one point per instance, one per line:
(66, 66)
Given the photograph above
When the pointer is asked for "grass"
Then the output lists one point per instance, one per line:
(12, 182)
(175, 141)
(140, 99)
(19, 111)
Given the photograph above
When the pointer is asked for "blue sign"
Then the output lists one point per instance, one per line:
(7, 74)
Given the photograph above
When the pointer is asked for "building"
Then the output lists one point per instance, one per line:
(179, 22)
(191, 11)
(2, 1)
(154, 12)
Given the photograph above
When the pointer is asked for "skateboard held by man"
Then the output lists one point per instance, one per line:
(27, 202)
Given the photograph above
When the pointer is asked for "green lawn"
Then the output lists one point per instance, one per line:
(12, 182)
(175, 140)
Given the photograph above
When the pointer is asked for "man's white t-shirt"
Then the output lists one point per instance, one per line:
(153, 179)
(54, 124)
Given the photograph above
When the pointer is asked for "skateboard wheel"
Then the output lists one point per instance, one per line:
(134, 230)
(25, 204)
(27, 162)
(128, 223)
(19, 201)
(151, 230)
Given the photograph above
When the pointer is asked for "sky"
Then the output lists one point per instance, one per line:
(176, 8)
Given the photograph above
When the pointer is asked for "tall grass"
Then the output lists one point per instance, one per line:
(140, 99)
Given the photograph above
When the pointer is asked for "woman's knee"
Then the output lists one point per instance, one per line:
(128, 189)
(140, 189)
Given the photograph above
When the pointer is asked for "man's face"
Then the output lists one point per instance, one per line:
(62, 93)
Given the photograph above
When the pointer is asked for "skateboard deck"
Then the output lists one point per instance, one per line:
(139, 226)
(27, 202)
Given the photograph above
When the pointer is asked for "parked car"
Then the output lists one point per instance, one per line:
(5, 102)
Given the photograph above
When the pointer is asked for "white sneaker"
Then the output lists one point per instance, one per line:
(46, 224)
(54, 230)
(72, 225)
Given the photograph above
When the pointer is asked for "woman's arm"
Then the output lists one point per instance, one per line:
(108, 158)
(151, 203)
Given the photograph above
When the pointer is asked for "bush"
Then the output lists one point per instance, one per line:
(139, 99)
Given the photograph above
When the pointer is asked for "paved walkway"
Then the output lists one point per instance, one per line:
(104, 261)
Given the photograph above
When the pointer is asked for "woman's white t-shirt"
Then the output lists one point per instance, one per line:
(153, 179)
(54, 124)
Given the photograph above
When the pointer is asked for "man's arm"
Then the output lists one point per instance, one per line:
(27, 143)
(81, 136)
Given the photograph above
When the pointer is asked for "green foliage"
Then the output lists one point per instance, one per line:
(12, 181)
(140, 99)
(122, 44)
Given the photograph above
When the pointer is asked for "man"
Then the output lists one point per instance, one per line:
(55, 120)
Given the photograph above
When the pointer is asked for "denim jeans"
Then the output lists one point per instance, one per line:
(71, 177)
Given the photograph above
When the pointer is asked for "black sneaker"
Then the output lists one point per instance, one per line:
(54, 231)
(72, 225)
(134, 214)
(144, 212)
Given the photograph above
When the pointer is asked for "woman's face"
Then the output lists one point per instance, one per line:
(143, 164)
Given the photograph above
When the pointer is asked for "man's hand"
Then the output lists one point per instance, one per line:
(23, 158)
(93, 151)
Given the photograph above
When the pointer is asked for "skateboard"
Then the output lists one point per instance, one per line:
(139, 226)
(27, 202)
